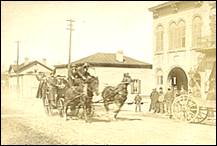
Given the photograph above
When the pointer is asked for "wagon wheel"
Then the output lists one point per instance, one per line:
(202, 115)
(60, 106)
(184, 108)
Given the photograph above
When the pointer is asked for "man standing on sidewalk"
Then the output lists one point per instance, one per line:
(154, 98)
(138, 100)
(160, 102)
(169, 97)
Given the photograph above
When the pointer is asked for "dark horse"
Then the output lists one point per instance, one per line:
(117, 96)
(81, 96)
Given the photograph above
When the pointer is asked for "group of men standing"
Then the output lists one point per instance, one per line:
(48, 85)
(162, 103)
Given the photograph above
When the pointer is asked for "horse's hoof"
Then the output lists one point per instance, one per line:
(115, 119)
(74, 118)
(88, 121)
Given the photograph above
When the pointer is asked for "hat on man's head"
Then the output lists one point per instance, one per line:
(86, 64)
(126, 74)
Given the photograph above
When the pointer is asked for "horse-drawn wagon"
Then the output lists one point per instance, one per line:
(74, 101)
(193, 107)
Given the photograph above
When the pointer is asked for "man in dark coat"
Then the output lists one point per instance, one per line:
(52, 86)
(41, 78)
(154, 98)
(73, 75)
(160, 103)
(83, 71)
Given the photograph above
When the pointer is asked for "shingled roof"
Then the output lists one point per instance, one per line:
(23, 67)
(109, 60)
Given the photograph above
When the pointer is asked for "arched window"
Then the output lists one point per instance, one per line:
(159, 76)
(196, 32)
(159, 38)
(172, 36)
(181, 34)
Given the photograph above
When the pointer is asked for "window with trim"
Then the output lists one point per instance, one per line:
(136, 86)
(172, 36)
(159, 77)
(196, 32)
(181, 34)
(160, 80)
(159, 38)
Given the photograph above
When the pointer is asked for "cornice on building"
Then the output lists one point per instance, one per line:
(173, 7)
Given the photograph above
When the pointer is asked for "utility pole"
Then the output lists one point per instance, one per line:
(18, 86)
(70, 39)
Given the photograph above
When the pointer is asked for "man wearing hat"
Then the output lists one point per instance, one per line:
(41, 78)
(154, 98)
(83, 71)
(73, 75)
(169, 97)
(138, 100)
(52, 87)
(160, 102)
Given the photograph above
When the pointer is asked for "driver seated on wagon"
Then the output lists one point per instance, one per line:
(78, 76)
(83, 72)
(79, 73)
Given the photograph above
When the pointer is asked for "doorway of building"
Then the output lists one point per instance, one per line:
(177, 77)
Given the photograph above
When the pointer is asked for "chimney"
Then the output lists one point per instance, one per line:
(26, 61)
(44, 61)
(120, 56)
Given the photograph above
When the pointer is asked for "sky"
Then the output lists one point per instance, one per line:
(105, 27)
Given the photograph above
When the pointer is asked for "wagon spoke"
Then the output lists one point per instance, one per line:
(184, 108)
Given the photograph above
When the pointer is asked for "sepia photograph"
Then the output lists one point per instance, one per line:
(108, 72)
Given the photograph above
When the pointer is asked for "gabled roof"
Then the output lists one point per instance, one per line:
(23, 67)
(109, 60)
